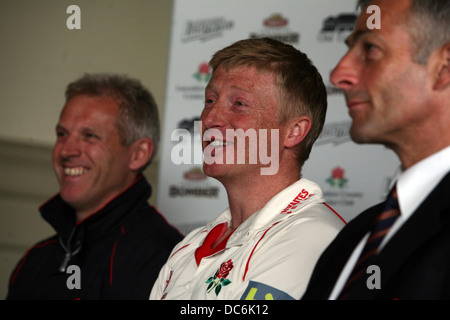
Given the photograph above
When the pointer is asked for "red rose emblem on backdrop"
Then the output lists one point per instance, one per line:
(338, 173)
(203, 73)
(337, 178)
(204, 68)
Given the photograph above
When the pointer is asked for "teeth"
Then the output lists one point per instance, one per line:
(74, 171)
(217, 143)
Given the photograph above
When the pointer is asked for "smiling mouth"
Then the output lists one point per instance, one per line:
(76, 171)
(354, 103)
(217, 143)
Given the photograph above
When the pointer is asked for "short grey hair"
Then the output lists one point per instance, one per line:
(138, 112)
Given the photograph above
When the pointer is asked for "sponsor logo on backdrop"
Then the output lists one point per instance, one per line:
(203, 73)
(193, 191)
(337, 179)
(337, 28)
(276, 26)
(196, 90)
(332, 90)
(339, 191)
(194, 174)
(195, 184)
(206, 29)
(334, 133)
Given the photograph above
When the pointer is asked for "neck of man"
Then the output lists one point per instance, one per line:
(421, 143)
(250, 193)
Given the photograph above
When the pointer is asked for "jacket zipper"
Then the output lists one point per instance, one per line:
(68, 254)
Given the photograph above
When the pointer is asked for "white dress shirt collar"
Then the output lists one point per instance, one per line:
(416, 183)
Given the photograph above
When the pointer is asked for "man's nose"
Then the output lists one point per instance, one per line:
(344, 75)
(70, 147)
(214, 116)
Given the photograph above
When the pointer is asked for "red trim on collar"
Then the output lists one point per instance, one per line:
(207, 249)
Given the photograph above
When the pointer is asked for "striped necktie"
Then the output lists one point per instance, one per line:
(382, 224)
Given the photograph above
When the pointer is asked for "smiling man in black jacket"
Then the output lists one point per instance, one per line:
(110, 243)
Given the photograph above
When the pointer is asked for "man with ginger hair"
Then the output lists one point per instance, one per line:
(266, 243)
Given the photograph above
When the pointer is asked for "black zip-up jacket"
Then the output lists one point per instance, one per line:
(115, 253)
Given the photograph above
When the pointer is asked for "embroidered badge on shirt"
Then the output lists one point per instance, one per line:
(260, 291)
(220, 278)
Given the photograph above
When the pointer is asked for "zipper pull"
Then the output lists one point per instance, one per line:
(65, 262)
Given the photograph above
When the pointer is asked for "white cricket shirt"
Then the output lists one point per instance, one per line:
(269, 256)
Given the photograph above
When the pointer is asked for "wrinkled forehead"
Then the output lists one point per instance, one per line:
(380, 16)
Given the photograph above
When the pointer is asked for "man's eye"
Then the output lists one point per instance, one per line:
(369, 47)
(61, 134)
(91, 136)
(371, 51)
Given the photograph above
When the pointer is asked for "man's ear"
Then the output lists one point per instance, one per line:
(298, 128)
(142, 151)
(443, 75)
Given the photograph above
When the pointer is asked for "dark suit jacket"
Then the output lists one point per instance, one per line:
(414, 264)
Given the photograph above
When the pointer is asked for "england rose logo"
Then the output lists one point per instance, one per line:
(337, 178)
(220, 278)
(203, 73)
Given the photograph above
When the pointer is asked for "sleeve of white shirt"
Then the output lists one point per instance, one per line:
(280, 268)
(165, 274)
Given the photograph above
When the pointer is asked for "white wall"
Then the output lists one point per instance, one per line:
(39, 56)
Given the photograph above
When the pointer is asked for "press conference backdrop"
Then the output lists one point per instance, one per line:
(353, 177)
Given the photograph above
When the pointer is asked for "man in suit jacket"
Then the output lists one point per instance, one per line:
(396, 80)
